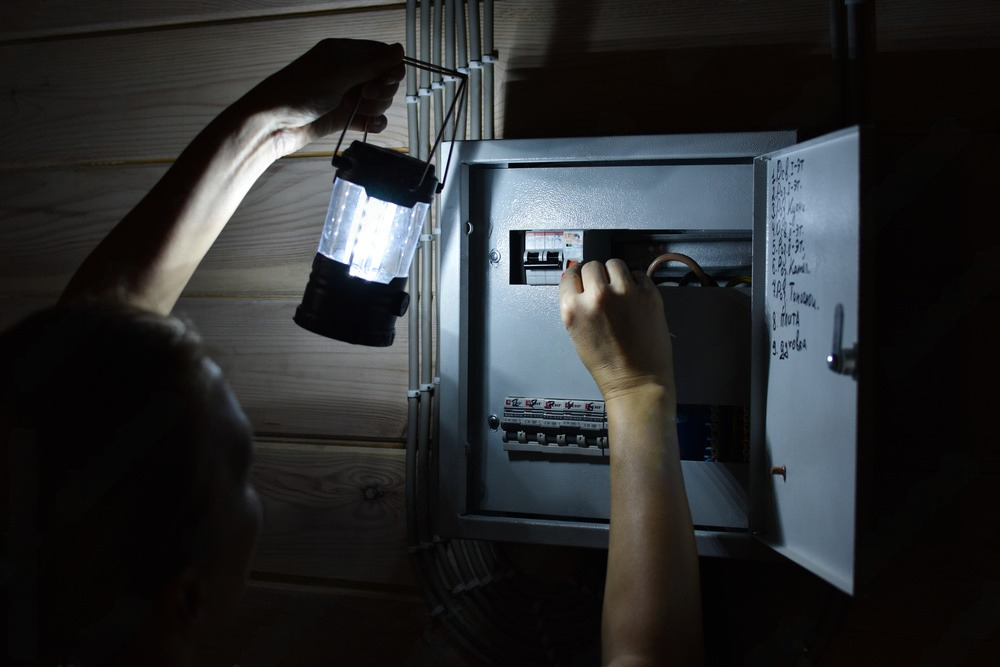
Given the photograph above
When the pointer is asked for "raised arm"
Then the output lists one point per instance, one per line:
(652, 598)
(148, 258)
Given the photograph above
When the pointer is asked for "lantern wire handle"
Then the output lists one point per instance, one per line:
(458, 101)
(350, 120)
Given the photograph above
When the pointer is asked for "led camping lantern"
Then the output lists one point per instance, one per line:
(373, 224)
(377, 210)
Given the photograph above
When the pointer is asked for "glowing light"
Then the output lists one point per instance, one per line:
(375, 238)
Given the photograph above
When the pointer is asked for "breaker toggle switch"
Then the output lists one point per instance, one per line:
(556, 426)
(543, 267)
(547, 253)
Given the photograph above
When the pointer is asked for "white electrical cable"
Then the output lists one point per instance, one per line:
(411, 45)
(461, 62)
(425, 82)
(475, 74)
(412, 101)
(475, 100)
(413, 338)
(489, 58)
(437, 85)
(436, 309)
(426, 320)
(449, 62)
(425, 42)
(474, 49)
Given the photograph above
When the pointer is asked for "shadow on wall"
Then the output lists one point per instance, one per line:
(667, 91)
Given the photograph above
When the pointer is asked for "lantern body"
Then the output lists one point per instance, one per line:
(378, 207)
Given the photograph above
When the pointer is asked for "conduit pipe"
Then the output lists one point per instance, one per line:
(425, 81)
(449, 61)
(437, 85)
(422, 287)
(475, 74)
(429, 240)
(461, 62)
(411, 78)
(413, 340)
(489, 58)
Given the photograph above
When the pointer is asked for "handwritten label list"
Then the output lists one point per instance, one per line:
(789, 293)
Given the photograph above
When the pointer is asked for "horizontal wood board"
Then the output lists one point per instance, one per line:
(292, 382)
(904, 21)
(143, 96)
(50, 220)
(29, 19)
(332, 512)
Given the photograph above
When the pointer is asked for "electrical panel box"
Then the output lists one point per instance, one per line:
(766, 411)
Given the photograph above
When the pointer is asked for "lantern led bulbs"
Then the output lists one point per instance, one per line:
(378, 206)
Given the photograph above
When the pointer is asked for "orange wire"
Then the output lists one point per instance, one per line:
(678, 257)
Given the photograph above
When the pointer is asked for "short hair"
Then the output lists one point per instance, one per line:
(114, 452)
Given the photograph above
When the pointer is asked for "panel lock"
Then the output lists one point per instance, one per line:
(841, 360)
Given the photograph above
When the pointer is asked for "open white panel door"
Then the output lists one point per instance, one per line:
(807, 216)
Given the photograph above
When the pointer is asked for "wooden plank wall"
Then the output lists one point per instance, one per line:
(99, 97)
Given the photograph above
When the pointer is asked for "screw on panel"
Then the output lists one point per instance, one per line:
(779, 471)
(494, 256)
(494, 422)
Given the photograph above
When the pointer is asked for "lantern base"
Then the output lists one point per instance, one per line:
(346, 308)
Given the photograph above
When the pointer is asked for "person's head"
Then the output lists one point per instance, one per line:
(129, 515)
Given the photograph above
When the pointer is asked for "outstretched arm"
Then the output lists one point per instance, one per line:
(148, 258)
(652, 599)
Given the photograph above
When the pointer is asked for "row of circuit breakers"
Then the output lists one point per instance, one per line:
(568, 427)
(539, 424)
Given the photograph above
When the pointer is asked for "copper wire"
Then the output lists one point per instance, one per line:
(678, 257)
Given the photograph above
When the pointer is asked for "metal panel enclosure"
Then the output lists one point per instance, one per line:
(500, 339)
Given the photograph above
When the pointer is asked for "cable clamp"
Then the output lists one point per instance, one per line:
(413, 393)
(437, 85)
(463, 70)
(426, 238)
(489, 58)
(475, 64)
(412, 99)
(424, 92)
(450, 78)
(429, 388)
(437, 231)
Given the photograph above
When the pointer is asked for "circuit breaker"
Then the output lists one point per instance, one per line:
(767, 236)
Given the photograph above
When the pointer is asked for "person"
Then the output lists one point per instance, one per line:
(652, 600)
(131, 516)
